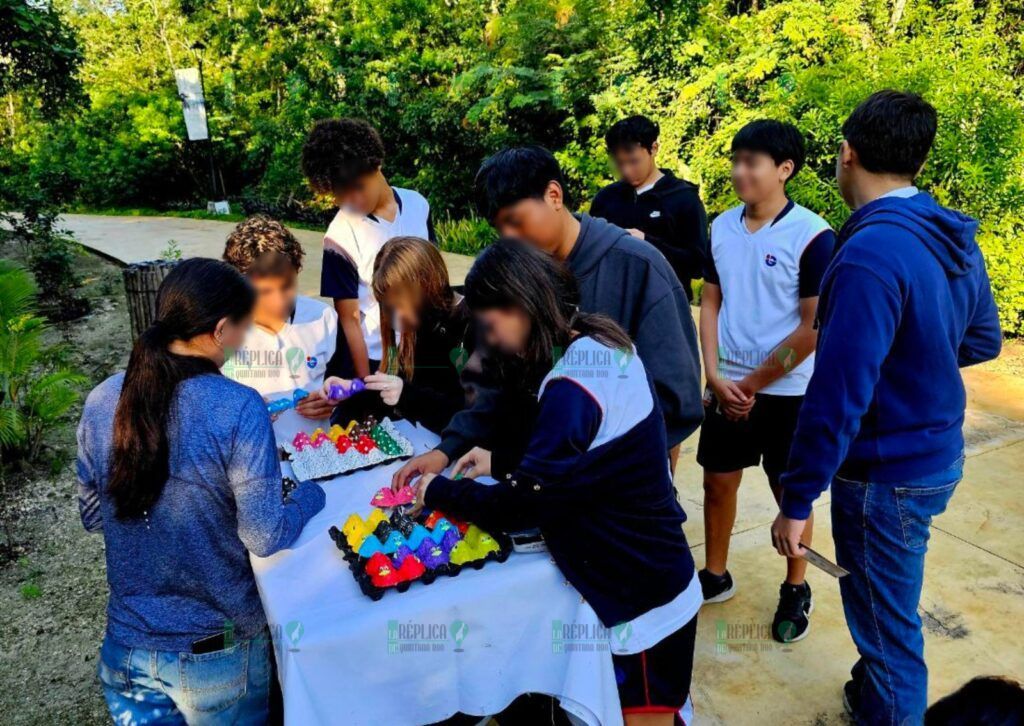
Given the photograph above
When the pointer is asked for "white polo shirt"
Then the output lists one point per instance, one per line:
(763, 275)
(295, 357)
(351, 245)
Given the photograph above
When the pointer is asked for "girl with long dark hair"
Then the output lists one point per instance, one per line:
(594, 478)
(177, 466)
(423, 330)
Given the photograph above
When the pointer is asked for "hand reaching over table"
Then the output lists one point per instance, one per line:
(390, 387)
(432, 462)
(315, 406)
(421, 493)
(474, 464)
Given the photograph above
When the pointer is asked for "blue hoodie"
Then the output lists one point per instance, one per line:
(904, 304)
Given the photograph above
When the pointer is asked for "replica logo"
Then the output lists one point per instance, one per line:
(770, 260)
(294, 357)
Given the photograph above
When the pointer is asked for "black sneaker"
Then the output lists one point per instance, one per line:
(851, 698)
(792, 616)
(716, 588)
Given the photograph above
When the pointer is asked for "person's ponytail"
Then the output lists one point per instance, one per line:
(192, 300)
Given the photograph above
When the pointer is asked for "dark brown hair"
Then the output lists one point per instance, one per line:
(192, 300)
(512, 274)
(261, 245)
(415, 267)
(338, 151)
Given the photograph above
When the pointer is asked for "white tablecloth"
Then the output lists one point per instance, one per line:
(471, 643)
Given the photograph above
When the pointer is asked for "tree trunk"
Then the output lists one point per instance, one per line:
(897, 14)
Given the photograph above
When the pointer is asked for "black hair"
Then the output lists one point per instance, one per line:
(338, 151)
(192, 299)
(780, 140)
(892, 132)
(983, 701)
(260, 245)
(512, 274)
(513, 175)
(631, 131)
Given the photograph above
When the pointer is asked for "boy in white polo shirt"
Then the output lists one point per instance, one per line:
(342, 158)
(757, 336)
(292, 337)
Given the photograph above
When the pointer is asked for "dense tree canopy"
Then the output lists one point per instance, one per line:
(449, 81)
(38, 55)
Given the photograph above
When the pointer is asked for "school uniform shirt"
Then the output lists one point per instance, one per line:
(275, 364)
(763, 275)
(351, 245)
(595, 481)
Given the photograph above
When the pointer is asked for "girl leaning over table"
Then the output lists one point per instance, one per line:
(594, 478)
(178, 468)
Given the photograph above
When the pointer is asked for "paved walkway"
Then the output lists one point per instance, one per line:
(972, 602)
(135, 239)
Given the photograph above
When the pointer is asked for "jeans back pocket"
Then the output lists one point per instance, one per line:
(212, 682)
(917, 506)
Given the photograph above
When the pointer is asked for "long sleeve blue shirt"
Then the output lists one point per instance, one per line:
(904, 304)
(182, 572)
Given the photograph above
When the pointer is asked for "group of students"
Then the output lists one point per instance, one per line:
(567, 370)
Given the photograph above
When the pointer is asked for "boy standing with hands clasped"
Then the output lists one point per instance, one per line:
(342, 158)
(757, 335)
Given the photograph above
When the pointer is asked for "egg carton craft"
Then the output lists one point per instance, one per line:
(279, 405)
(390, 553)
(340, 391)
(389, 499)
(341, 450)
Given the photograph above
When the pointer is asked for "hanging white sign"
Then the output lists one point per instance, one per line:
(193, 104)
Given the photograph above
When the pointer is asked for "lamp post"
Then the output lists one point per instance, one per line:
(192, 92)
(198, 47)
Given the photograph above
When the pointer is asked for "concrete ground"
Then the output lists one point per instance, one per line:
(972, 601)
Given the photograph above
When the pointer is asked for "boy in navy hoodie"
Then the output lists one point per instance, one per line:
(904, 305)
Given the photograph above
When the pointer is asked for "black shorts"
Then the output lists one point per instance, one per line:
(657, 680)
(764, 438)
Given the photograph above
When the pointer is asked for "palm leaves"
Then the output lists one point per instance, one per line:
(34, 393)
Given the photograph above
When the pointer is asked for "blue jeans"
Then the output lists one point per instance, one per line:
(881, 536)
(231, 686)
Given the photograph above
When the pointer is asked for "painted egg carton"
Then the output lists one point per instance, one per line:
(322, 459)
(390, 553)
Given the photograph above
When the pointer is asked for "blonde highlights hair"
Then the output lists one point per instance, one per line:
(413, 267)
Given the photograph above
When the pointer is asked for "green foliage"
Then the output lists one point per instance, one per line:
(38, 54)
(36, 390)
(450, 81)
(465, 235)
(52, 255)
(30, 588)
(172, 251)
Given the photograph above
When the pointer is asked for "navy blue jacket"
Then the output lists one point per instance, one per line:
(905, 303)
(671, 216)
(609, 514)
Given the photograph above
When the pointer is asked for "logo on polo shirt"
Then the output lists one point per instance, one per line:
(770, 260)
(310, 361)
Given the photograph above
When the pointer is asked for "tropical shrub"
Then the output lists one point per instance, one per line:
(36, 390)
